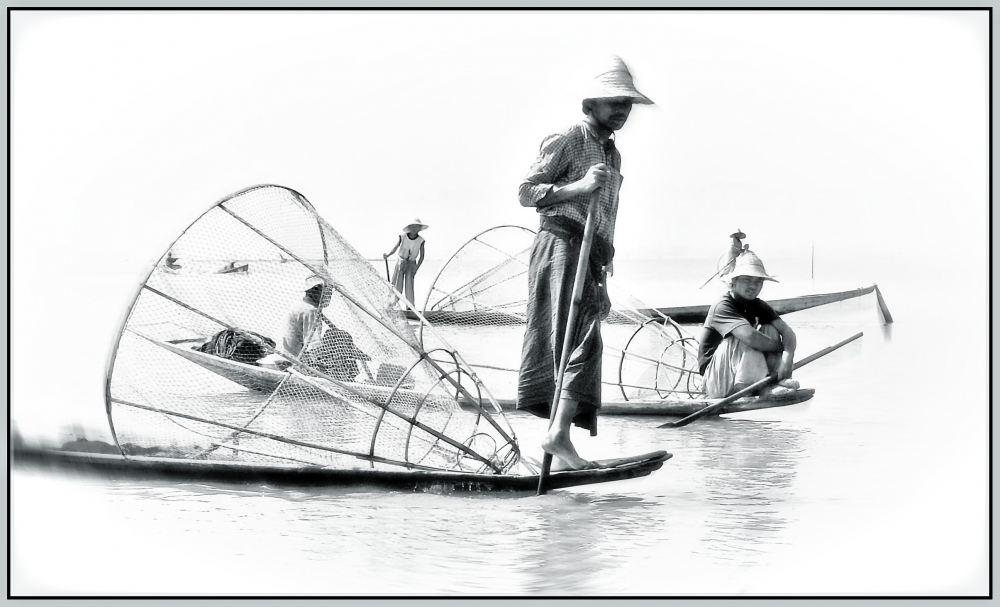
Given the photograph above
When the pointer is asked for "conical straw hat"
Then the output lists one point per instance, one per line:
(748, 264)
(614, 80)
(416, 222)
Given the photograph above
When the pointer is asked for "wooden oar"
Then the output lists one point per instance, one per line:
(582, 267)
(749, 389)
(387, 277)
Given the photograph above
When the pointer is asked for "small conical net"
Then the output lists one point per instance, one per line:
(204, 368)
(479, 301)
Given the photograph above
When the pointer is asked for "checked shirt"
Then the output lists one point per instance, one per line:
(564, 158)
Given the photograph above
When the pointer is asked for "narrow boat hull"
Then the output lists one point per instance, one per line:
(143, 468)
(262, 378)
(248, 376)
(685, 315)
(685, 407)
(265, 379)
(696, 314)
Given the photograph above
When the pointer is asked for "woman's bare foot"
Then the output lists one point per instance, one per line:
(775, 391)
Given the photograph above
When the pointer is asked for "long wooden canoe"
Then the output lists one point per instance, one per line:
(685, 407)
(143, 468)
(679, 314)
(266, 379)
(248, 376)
(697, 314)
(262, 378)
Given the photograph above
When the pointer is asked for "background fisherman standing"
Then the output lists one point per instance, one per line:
(570, 166)
(728, 259)
(736, 248)
(411, 257)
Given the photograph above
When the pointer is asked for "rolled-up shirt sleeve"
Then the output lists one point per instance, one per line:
(549, 169)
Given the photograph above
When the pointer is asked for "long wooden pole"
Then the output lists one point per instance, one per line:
(274, 437)
(749, 389)
(719, 271)
(582, 267)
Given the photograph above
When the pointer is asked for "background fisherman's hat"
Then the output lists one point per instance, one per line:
(748, 264)
(313, 280)
(738, 234)
(614, 80)
(416, 222)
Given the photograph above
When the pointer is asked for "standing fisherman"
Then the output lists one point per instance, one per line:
(570, 166)
(411, 257)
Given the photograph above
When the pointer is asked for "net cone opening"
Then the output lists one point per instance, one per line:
(201, 367)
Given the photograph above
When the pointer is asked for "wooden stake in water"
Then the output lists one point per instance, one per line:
(582, 267)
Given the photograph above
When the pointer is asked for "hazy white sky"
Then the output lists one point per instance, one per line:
(865, 133)
(857, 131)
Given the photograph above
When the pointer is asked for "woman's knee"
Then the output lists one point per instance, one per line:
(752, 367)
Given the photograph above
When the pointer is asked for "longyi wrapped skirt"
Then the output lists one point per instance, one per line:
(551, 273)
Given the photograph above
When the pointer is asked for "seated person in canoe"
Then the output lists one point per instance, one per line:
(312, 338)
(743, 339)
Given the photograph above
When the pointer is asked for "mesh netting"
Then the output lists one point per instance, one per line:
(479, 300)
(202, 369)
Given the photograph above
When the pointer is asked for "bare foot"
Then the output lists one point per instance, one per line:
(564, 455)
(775, 392)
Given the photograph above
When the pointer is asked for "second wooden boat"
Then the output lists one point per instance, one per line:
(687, 406)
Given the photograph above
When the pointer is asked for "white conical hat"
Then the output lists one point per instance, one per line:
(416, 223)
(748, 264)
(614, 80)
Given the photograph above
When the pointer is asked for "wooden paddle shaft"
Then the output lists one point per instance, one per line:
(826, 351)
(582, 267)
(749, 389)
(719, 271)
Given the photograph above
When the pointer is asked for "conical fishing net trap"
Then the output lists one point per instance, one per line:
(261, 336)
(480, 296)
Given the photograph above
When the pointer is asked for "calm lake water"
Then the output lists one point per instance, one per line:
(877, 486)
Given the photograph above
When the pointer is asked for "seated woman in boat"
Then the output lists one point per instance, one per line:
(312, 338)
(743, 340)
